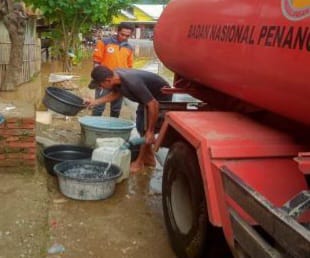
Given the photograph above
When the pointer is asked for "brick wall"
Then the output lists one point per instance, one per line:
(17, 142)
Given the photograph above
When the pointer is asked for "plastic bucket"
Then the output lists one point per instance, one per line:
(93, 127)
(62, 101)
(55, 154)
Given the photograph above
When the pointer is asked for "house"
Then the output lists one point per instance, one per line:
(143, 17)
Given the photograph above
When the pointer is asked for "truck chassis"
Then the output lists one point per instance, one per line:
(227, 173)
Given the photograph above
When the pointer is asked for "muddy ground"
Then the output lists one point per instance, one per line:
(36, 216)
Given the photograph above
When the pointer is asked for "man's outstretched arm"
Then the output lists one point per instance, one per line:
(104, 99)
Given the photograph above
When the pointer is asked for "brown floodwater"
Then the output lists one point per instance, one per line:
(33, 91)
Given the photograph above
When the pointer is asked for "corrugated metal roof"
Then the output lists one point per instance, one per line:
(153, 10)
(128, 14)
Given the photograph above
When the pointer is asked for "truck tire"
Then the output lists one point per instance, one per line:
(185, 211)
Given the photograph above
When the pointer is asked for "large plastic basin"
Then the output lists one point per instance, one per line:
(87, 179)
(94, 127)
(61, 152)
(63, 101)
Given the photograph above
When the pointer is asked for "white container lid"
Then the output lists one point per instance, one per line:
(115, 142)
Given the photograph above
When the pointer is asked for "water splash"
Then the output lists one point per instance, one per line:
(115, 153)
(123, 148)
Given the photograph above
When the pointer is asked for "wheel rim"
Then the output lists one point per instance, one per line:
(181, 204)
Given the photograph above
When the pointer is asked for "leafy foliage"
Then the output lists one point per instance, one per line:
(72, 17)
(86, 10)
(152, 1)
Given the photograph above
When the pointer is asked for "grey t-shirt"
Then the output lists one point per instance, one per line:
(141, 86)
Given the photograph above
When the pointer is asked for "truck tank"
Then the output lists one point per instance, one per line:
(257, 51)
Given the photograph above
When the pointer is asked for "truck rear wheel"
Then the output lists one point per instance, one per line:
(185, 211)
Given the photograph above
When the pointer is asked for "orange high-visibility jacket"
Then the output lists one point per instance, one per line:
(113, 54)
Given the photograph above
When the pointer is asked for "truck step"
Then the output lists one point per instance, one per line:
(299, 204)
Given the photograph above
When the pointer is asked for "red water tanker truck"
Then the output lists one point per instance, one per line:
(237, 172)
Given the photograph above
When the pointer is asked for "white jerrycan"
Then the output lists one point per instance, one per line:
(109, 150)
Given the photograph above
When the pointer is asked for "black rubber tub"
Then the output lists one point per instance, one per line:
(58, 153)
(63, 101)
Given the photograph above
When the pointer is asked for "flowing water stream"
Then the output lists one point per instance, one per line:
(132, 142)
(114, 155)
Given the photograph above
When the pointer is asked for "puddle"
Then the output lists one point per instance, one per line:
(156, 181)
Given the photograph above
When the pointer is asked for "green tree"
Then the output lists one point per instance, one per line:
(71, 17)
(152, 1)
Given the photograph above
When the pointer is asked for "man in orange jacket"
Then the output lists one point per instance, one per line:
(113, 52)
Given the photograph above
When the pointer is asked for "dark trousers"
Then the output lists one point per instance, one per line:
(116, 105)
(140, 123)
(141, 116)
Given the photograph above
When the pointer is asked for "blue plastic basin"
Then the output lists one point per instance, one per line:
(94, 127)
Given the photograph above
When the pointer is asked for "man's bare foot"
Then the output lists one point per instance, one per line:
(149, 159)
(150, 162)
(136, 167)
